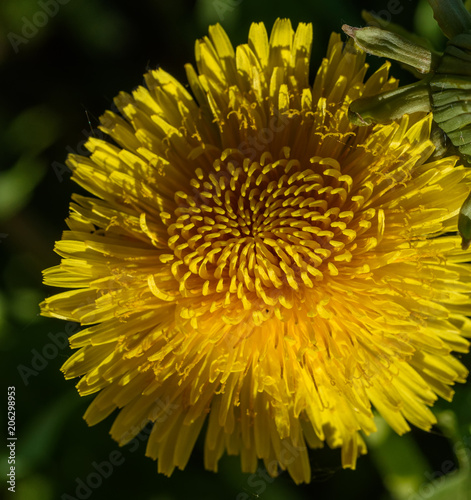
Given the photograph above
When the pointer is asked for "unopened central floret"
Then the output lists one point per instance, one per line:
(253, 232)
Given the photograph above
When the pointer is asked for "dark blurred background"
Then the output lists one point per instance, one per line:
(61, 64)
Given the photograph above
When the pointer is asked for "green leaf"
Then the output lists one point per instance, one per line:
(398, 458)
(452, 16)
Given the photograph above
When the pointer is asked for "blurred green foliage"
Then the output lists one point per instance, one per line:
(59, 71)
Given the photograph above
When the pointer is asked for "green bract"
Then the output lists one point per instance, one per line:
(444, 87)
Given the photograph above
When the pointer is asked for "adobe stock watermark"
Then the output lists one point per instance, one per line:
(31, 26)
(393, 8)
(86, 487)
(58, 341)
(435, 480)
(40, 359)
(259, 479)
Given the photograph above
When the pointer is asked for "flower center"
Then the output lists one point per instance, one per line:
(259, 231)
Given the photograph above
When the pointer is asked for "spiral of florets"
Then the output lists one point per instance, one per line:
(263, 231)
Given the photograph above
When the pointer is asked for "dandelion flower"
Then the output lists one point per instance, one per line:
(252, 262)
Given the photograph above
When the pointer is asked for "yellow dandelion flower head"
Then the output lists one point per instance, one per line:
(253, 262)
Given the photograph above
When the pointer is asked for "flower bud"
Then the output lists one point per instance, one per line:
(384, 43)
